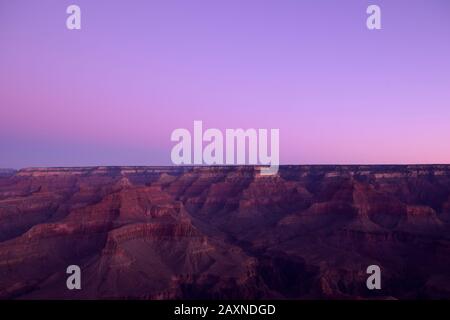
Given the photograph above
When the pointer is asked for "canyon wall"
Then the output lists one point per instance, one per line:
(308, 232)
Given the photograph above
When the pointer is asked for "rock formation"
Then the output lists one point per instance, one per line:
(225, 232)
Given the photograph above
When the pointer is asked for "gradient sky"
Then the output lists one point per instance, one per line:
(112, 93)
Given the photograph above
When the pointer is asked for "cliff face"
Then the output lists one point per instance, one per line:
(225, 232)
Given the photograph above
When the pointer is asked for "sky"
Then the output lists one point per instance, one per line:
(113, 92)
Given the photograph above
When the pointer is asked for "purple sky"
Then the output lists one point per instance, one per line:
(112, 93)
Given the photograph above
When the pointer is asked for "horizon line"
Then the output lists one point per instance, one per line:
(227, 166)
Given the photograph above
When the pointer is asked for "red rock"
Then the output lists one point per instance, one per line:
(225, 232)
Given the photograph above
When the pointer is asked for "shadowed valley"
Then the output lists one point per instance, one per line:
(225, 232)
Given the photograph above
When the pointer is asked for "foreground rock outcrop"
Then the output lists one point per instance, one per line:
(225, 232)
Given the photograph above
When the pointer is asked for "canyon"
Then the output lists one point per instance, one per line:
(225, 232)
